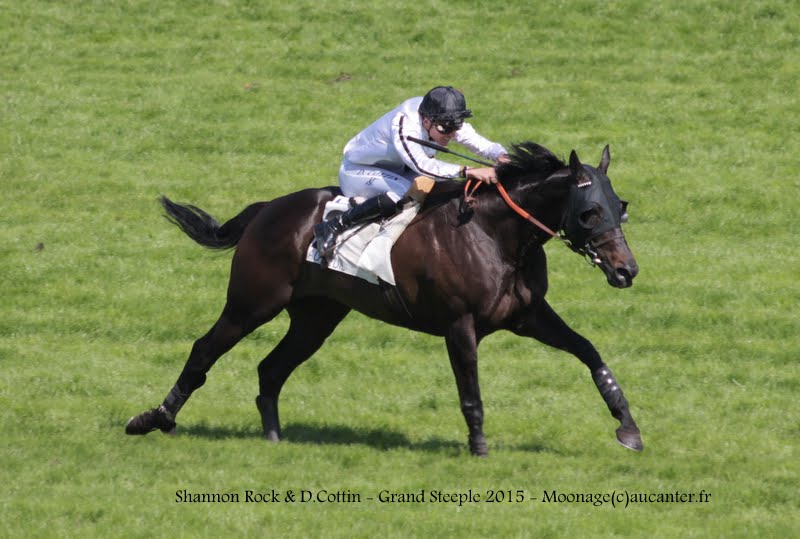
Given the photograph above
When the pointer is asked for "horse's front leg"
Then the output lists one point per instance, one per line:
(462, 346)
(544, 325)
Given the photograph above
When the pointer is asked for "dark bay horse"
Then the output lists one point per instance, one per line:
(462, 273)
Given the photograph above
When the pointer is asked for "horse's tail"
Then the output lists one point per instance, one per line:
(204, 229)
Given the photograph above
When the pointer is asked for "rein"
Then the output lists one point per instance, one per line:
(469, 197)
(469, 191)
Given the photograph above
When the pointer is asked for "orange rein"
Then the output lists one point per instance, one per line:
(469, 197)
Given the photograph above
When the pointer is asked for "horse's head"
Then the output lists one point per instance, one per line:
(592, 222)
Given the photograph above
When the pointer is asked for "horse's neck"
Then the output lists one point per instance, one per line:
(545, 200)
(510, 230)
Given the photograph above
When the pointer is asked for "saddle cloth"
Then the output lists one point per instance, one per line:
(364, 251)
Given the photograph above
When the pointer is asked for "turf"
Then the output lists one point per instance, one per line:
(106, 105)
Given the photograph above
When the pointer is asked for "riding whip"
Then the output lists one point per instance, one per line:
(440, 148)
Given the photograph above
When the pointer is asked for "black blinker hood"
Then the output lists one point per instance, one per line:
(593, 208)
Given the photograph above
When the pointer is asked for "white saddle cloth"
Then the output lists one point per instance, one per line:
(364, 251)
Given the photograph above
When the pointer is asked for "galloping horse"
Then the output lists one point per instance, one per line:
(463, 271)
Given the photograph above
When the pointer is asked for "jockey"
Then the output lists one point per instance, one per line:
(380, 163)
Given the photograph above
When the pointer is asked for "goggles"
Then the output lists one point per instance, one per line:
(445, 128)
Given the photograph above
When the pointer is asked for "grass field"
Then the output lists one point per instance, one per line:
(106, 105)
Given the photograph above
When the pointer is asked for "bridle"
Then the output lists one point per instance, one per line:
(588, 251)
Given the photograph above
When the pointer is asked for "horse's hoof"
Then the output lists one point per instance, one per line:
(149, 421)
(268, 408)
(133, 427)
(631, 440)
(478, 447)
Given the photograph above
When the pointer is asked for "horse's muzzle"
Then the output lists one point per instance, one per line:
(622, 277)
(616, 259)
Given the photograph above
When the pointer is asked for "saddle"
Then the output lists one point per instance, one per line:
(365, 251)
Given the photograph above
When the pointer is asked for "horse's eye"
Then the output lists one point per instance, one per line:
(591, 218)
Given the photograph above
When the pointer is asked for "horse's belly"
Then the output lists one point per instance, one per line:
(382, 302)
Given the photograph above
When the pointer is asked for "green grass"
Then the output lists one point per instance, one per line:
(106, 105)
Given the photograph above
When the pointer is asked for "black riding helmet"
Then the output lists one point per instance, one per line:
(445, 105)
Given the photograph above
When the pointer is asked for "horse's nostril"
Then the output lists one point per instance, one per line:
(625, 275)
(628, 270)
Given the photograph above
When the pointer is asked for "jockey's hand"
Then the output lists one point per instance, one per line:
(503, 158)
(485, 174)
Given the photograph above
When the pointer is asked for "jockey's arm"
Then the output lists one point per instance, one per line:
(414, 155)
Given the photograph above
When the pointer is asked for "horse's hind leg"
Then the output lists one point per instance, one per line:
(231, 327)
(544, 325)
(206, 350)
(312, 321)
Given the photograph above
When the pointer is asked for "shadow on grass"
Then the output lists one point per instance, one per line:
(303, 433)
(382, 439)
(204, 430)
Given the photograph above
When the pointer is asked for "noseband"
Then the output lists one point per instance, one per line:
(589, 251)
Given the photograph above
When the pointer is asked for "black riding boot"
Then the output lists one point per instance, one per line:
(326, 232)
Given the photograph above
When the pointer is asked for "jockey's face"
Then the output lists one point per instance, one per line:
(436, 134)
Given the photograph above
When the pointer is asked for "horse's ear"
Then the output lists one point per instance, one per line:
(576, 169)
(575, 165)
(605, 160)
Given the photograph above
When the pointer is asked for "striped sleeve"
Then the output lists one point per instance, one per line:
(414, 155)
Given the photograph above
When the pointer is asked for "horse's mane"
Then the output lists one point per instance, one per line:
(530, 160)
(527, 160)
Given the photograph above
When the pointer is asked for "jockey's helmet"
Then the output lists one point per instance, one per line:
(445, 105)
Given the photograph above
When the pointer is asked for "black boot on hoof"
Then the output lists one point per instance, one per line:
(268, 408)
(155, 419)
